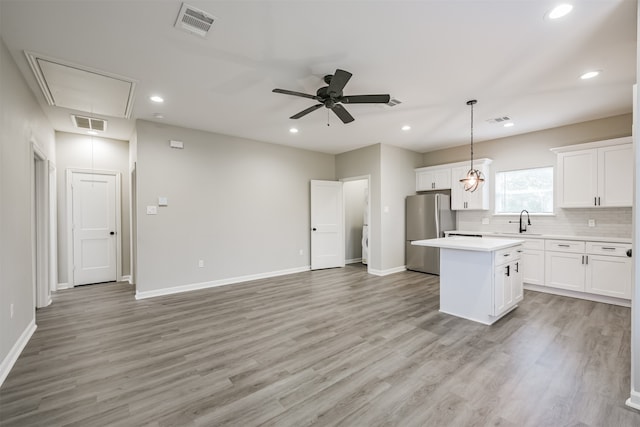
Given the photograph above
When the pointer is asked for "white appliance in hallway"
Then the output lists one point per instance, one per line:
(365, 228)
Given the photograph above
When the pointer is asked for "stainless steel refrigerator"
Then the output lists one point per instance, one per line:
(428, 216)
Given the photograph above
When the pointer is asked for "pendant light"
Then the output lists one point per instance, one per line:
(474, 178)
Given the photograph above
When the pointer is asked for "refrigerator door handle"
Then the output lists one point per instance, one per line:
(437, 215)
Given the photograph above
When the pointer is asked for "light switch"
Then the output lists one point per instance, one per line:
(162, 201)
(152, 210)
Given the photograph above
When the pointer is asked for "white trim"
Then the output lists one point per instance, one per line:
(387, 271)
(353, 261)
(580, 295)
(216, 283)
(64, 286)
(14, 353)
(41, 221)
(69, 219)
(126, 278)
(634, 400)
(595, 144)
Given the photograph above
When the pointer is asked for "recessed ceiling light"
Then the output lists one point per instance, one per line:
(92, 132)
(156, 98)
(508, 125)
(560, 11)
(406, 128)
(293, 130)
(589, 75)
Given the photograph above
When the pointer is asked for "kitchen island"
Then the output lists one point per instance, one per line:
(480, 279)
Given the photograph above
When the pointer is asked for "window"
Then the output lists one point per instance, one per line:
(530, 189)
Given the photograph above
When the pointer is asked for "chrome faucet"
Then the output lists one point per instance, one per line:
(523, 226)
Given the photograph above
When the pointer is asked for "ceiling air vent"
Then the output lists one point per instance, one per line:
(500, 119)
(89, 123)
(194, 20)
(393, 102)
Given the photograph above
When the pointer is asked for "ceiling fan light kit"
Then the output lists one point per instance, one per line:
(474, 178)
(331, 97)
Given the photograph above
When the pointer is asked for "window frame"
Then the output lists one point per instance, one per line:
(553, 198)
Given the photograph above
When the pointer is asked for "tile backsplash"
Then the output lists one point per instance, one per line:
(609, 222)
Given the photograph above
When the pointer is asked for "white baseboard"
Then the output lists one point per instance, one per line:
(216, 283)
(581, 295)
(634, 400)
(126, 278)
(14, 353)
(64, 286)
(387, 271)
(353, 261)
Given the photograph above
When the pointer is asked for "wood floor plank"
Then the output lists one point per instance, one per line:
(325, 348)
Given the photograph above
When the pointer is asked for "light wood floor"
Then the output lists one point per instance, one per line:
(332, 347)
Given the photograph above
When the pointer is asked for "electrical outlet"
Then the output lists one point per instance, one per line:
(11, 310)
(592, 223)
(201, 263)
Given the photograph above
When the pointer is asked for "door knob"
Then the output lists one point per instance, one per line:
(629, 253)
(314, 229)
(112, 232)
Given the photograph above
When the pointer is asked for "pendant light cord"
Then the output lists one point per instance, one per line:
(472, 102)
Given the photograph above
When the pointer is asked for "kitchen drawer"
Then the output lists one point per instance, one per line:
(564, 246)
(507, 255)
(535, 244)
(612, 249)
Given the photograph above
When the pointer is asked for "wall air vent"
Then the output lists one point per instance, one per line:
(499, 119)
(393, 102)
(194, 20)
(89, 123)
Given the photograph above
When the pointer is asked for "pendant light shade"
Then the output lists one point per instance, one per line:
(474, 178)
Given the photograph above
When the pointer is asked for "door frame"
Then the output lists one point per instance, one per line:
(40, 225)
(69, 220)
(344, 233)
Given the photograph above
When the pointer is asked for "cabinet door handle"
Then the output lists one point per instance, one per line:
(598, 200)
(582, 260)
(564, 246)
(595, 201)
(508, 270)
(608, 249)
(586, 259)
(517, 267)
(506, 254)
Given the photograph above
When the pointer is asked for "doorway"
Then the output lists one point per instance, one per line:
(357, 220)
(94, 218)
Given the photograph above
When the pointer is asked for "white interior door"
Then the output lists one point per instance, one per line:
(327, 225)
(94, 228)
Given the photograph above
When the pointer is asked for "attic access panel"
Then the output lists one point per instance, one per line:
(82, 89)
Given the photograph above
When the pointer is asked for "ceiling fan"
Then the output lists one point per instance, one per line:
(332, 98)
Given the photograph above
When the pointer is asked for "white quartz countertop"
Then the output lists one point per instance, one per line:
(544, 236)
(469, 243)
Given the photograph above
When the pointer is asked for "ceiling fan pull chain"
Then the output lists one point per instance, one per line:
(328, 117)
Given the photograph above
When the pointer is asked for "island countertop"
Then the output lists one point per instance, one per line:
(469, 243)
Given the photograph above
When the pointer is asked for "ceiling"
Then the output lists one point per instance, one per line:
(433, 55)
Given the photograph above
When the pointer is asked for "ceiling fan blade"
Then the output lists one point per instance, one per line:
(307, 111)
(294, 93)
(365, 99)
(342, 113)
(338, 82)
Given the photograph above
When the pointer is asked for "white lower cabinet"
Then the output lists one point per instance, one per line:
(593, 267)
(507, 279)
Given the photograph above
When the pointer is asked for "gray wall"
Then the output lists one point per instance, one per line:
(86, 152)
(398, 182)
(21, 121)
(533, 150)
(241, 206)
(362, 162)
(354, 201)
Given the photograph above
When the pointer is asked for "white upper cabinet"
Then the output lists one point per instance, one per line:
(597, 174)
(433, 178)
(467, 200)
